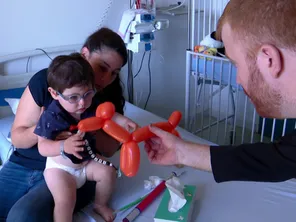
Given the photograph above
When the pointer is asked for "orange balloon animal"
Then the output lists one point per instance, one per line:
(130, 152)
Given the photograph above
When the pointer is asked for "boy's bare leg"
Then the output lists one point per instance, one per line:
(105, 176)
(62, 186)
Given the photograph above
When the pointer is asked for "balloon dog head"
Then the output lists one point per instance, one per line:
(130, 152)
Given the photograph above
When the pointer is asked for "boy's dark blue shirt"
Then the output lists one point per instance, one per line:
(55, 119)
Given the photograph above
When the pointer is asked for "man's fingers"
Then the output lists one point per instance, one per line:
(161, 151)
(158, 132)
(155, 141)
(151, 155)
(147, 147)
(149, 150)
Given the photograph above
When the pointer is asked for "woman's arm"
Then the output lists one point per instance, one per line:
(27, 116)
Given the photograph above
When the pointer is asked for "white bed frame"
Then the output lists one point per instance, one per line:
(216, 108)
(20, 80)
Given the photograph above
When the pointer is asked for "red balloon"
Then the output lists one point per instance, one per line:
(106, 110)
(175, 119)
(144, 133)
(90, 124)
(130, 159)
(117, 132)
(130, 152)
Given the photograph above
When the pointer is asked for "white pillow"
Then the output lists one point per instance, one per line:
(5, 148)
(13, 103)
(5, 125)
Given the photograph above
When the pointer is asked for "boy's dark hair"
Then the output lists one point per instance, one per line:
(67, 71)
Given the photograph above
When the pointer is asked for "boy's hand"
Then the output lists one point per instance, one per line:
(74, 144)
(64, 135)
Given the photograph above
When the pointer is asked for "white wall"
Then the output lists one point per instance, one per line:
(34, 23)
(31, 24)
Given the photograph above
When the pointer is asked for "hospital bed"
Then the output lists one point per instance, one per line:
(225, 202)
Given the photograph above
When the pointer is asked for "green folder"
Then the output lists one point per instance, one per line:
(182, 215)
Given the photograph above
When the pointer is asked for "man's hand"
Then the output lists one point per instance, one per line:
(168, 149)
(74, 144)
(165, 148)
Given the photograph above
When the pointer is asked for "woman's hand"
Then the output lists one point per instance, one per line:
(125, 122)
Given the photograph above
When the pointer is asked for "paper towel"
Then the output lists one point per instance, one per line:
(176, 189)
(153, 182)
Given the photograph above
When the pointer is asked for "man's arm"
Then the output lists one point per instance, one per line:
(196, 156)
(272, 162)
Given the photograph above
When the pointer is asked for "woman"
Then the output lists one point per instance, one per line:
(24, 195)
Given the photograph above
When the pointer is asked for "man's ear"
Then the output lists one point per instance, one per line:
(53, 93)
(85, 52)
(269, 61)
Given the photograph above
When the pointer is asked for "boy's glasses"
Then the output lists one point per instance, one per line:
(75, 98)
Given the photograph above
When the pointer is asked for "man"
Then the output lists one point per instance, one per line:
(259, 38)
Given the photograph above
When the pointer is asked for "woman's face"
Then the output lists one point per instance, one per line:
(106, 64)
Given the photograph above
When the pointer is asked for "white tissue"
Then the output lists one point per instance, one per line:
(176, 189)
(153, 182)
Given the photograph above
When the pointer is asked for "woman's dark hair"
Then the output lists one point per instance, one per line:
(105, 38)
(67, 71)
